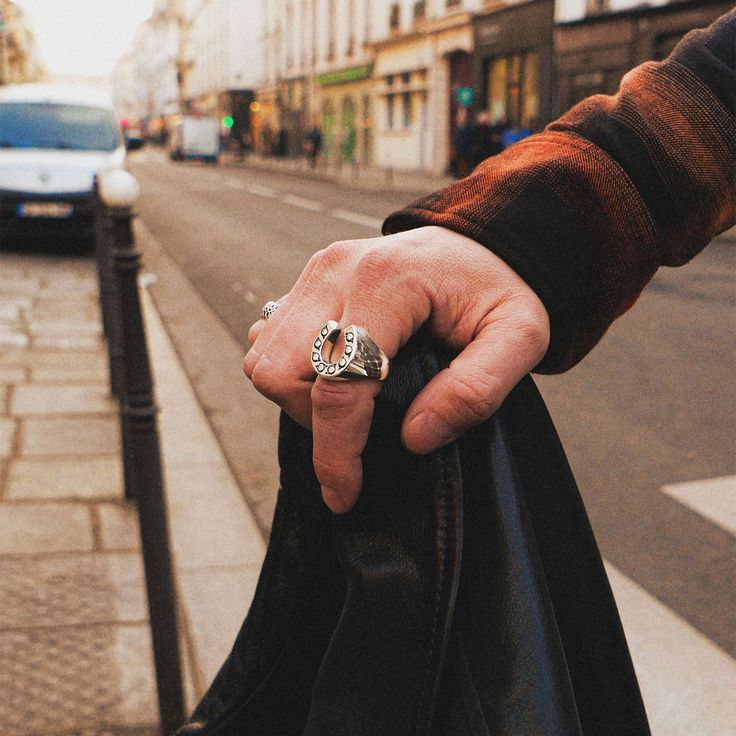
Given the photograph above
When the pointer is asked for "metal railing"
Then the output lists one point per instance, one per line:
(118, 263)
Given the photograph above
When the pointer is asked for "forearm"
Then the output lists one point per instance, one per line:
(588, 210)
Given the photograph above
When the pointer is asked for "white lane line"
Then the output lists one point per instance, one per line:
(687, 682)
(261, 191)
(714, 498)
(305, 204)
(358, 219)
(235, 184)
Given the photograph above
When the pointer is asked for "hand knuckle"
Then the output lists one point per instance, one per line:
(331, 400)
(267, 379)
(477, 398)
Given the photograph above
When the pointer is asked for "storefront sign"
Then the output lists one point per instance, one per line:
(343, 76)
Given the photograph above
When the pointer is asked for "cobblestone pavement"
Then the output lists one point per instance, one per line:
(74, 639)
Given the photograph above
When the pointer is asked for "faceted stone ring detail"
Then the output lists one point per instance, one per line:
(361, 357)
(269, 309)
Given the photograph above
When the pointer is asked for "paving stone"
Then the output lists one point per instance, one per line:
(9, 313)
(53, 358)
(7, 432)
(12, 374)
(20, 286)
(72, 590)
(65, 478)
(68, 342)
(27, 528)
(89, 681)
(10, 338)
(118, 526)
(65, 328)
(33, 400)
(70, 436)
(71, 309)
(70, 374)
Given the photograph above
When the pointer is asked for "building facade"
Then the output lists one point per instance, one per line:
(19, 57)
(594, 52)
(145, 79)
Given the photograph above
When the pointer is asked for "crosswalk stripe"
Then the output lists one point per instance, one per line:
(714, 498)
(687, 682)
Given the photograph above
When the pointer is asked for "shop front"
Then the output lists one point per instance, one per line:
(594, 53)
(343, 110)
(514, 64)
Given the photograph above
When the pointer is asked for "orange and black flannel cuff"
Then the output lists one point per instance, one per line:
(587, 210)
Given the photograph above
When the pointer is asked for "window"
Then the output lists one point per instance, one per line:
(390, 111)
(395, 17)
(406, 109)
(512, 88)
(420, 9)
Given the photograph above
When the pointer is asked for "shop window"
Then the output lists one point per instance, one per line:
(512, 88)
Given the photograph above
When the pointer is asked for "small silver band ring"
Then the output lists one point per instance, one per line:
(269, 309)
(361, 358)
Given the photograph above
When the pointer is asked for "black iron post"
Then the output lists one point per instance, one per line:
(138, 412)
(109, 299)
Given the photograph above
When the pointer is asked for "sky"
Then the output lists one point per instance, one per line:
(84, 37)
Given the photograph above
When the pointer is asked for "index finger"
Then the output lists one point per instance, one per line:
(341, 418)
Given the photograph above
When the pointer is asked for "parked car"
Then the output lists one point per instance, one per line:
(53, 140)
(194, 136)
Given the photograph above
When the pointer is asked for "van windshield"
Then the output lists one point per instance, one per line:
(41, 125)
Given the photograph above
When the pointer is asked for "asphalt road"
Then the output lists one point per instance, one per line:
(653, 405)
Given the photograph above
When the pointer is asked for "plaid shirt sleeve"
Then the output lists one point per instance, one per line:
(587, 210)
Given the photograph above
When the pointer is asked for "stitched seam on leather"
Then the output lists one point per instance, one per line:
(470, 695)
(421, 718)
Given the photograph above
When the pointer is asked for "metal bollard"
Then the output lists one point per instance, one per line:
(109, 300)
(138, 413)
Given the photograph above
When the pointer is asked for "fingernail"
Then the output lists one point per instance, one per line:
(424, 433)
(335, 502)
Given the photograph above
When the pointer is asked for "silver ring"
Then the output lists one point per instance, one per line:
(269, 309)
(361, 357)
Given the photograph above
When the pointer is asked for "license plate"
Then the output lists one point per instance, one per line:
(45, 209)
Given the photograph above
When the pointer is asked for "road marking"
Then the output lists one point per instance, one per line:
(686, 680)
(305, 204)
(713, 498)
(356, 218)
(261, 191)
(235, 184)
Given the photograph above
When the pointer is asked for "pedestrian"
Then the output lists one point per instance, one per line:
(523, 265)
(484, 144)
(313, 143)
(463, 141)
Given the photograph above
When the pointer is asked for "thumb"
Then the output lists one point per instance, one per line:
(478, 379)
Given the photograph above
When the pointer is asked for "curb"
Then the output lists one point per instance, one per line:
(217, 548)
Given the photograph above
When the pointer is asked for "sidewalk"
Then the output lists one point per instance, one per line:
(74, 636)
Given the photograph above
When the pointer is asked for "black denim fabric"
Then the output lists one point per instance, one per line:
(463, 596)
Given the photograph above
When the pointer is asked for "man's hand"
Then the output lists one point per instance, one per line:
(470, 299)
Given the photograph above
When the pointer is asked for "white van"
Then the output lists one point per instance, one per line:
(194, 136)
(53, 140)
